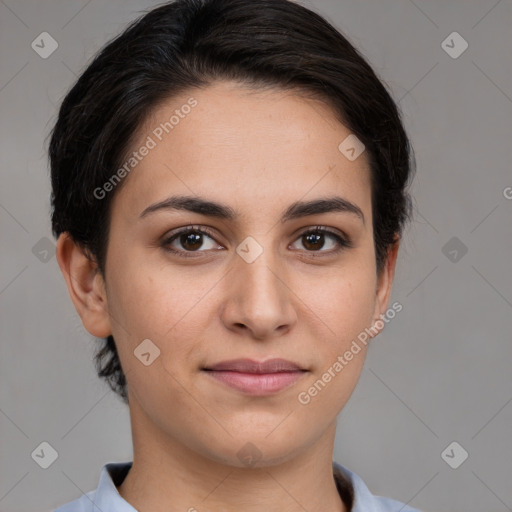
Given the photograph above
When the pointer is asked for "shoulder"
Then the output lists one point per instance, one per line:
(364, 500)
(106, 496)
(82, 504)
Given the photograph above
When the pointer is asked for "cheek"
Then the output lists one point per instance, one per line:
(345, 307)
(152, 299)
(169, 306)
(344, 301)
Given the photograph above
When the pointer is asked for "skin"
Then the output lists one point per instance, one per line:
(257, 151)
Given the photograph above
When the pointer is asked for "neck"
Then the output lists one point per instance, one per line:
(166, 475)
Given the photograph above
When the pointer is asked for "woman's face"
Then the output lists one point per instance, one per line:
(257, 286)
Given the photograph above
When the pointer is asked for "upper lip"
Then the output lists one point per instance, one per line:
(252, 366)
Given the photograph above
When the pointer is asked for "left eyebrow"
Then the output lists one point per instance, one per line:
(294, 211)
(318, 206)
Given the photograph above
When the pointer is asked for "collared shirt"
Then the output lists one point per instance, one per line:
(106, 497)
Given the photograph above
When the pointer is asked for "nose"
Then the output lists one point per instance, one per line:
(258, 301)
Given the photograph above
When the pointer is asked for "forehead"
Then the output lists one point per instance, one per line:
(246, 146)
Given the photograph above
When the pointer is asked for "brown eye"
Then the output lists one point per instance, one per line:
(190, 240)
(313, 241)
(319, 238)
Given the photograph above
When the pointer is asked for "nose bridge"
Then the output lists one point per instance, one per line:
(258, 275)
(257, 299)
(256, 266)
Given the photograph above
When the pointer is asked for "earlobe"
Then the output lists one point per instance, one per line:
(85, 286)
(384, 285)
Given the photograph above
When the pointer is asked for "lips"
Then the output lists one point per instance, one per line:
(251, 366)
(256, 378)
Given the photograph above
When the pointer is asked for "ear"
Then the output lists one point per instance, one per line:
(384, 285)
(85, 285)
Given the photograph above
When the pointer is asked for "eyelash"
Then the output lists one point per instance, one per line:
(344, 242)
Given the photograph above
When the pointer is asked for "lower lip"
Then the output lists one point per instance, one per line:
(257, 384)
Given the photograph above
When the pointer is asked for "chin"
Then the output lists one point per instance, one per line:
(255, 449)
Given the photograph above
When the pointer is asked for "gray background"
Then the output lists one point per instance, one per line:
(439, 373)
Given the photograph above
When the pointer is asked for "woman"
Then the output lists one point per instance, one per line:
(229, 192)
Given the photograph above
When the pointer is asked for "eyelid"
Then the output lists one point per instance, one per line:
(326, 230)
